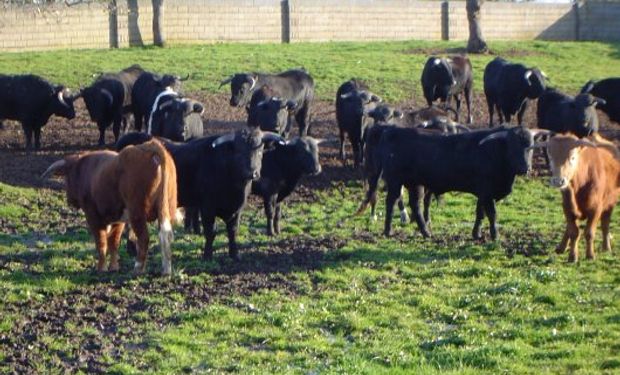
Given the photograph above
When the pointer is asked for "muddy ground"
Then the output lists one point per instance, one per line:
(117, 329)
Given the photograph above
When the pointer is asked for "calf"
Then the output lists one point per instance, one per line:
(384, 114)
(443, 78)
(561, 113)
(608, 90)
(214, 174)
(484, 163)
(175, 118)
(281, 170)
(507, 87)
(353, 103)
(295, 85)
(589, 177)
(137, 185)
(108, 99)
(269, 112)
(32, 100)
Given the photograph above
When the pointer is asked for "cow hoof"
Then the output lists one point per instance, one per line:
(559, 250)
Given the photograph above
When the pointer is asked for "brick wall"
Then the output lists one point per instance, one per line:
(187, 21)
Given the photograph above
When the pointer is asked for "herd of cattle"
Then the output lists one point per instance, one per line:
(428, 152)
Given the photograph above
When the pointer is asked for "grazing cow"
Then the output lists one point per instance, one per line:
(443, 78)
(31, 100)
(108, 100)
(269, 112)
(353, 103)
(281, 170)
(561, 113)
(137, 185)
(588, 175)
(507, 87)
(609, 90)
(295, 85)
(483, 163)
(215, 174)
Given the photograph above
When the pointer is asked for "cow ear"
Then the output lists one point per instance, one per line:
(198, 108)
(398, 114)
(375, 98)
(291, 105)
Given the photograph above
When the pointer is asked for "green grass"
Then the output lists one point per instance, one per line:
(391, 68)
(366, 304)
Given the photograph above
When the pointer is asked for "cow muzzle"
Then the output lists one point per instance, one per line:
(559, 182)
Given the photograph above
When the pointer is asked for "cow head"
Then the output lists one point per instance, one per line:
(584, 116)
(306, 155)
(535, 82)
(245, 150)
(564, 152)
(172, 117)
(241, 87)
(269, 111)
(517, 145)
(361, 102)
(383, 113)
(62, 102)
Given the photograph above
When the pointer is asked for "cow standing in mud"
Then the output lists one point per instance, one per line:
(137, 185)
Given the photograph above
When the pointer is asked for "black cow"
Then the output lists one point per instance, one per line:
(561, 113)
(353, 103)
(507, 87)
(443, 78)
(384, 114)
(484, 163)
(269, 112)
(145, 91)
(281, 171)
(108, 100)
(609, 90)
(32, 100)
(296, 85)
(215, 174)
(175, 118)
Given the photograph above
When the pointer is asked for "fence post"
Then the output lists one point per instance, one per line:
(113, 23)
(576, 5)
(445, 20)
(285, 9)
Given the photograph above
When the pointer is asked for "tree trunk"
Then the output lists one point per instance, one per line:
(158, 23)
(475, 44)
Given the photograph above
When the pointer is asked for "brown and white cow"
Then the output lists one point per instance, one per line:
(135, 186)
(588, 174)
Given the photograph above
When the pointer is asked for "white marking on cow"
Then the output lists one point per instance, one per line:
(436, 61)
(167, 92)
(108, 229)
(166, 236)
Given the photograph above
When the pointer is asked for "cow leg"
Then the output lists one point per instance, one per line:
(428, 197)
(276, 220)
(468, 92)
(479, 217)
(342, 155)
(491, 107)
(507, 117)
(114, 241)
(573, 237)
(521, 113)
(208, 222)
(302, 118)
(231, 229)
(356, 153)
(37, 137)
(605, 221)
(269, 203)
(457, 100)
(101, 243)
(489, 210)
(116, 127)
(404, 216)
(590, 232)
(500, 115)
(392, 195)
(101, 127)
(415, 195)
(137, 121)
(139, 227)
(563, 242)
(28, 136)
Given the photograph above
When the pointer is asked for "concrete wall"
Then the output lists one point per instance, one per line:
(187, 21)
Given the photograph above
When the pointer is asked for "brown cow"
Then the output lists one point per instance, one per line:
(588, 175)
(137, 185)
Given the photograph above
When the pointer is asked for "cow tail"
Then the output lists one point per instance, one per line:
(371, 193)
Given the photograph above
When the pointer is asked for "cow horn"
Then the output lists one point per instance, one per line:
(166, 104)
(423, 124)
(253, 82)
(375, 98)
(61, 98)
(223, 139)
(544, 75)
(498, 135)
(527, 75)
(399, 114)
(262, 102)
(540, 132)
(463, 128)
(271, 136)
(52, 168)
(226, 81)
(600, 101)
(108, 94)
(347, 95)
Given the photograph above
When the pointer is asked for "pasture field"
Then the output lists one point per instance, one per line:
(329, 295)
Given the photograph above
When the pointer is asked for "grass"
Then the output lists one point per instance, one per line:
(347, 300)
